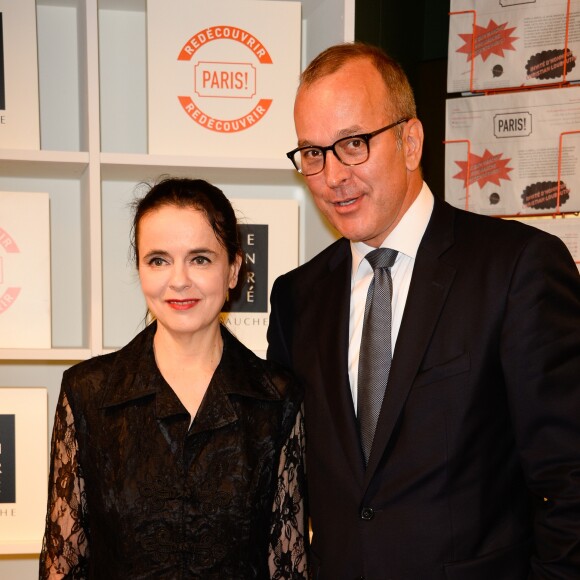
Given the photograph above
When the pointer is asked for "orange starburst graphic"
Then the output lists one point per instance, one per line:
(493, 39)
(488, 168)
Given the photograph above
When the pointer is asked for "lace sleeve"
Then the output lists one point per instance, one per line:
(288, 544)
(65, 546)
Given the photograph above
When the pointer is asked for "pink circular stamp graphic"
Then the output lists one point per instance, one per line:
(8, 294)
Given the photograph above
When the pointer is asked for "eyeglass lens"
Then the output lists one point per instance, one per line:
(350, 151)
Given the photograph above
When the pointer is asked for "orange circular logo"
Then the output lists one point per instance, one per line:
(218, 79)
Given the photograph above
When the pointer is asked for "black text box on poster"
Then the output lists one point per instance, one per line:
(7, 459)
(253, 294)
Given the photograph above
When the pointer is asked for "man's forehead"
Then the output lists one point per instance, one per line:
(331, 116)
(349, 83)
(332, 135)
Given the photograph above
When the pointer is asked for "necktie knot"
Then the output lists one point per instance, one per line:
(381, 258)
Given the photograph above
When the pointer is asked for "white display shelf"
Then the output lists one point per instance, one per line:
(131, 162)
(92, 81)
(93, 121)
(17, 548)
(48, 164)
(45, 354)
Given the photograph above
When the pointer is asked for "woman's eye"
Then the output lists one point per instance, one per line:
(156, 262)
(200, 260)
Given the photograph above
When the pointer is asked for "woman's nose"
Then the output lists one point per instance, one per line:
(180, 278)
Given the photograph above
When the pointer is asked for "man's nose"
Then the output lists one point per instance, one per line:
(335, 172)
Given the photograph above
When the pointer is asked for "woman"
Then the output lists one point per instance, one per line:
(179, 456)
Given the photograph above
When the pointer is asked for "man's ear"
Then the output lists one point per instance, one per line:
(413, 143)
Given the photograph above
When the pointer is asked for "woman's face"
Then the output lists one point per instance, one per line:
(184, 270)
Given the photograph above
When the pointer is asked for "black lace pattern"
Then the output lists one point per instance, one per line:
(134, 485)
(65, 546)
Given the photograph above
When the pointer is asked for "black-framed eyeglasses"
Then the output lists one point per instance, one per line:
(353, 150)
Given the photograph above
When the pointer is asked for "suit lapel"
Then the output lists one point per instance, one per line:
(429, 288)
(332, 337)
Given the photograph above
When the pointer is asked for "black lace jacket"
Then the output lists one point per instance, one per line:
(136, 492)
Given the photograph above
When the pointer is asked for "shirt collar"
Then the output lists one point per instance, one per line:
(407, 235)
(135, 374)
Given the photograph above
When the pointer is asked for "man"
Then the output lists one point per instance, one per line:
(474, 469)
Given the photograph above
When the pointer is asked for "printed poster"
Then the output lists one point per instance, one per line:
(25, 317)
(222, 77)
(23, 468)
(19, 105)
(270, 240)
(512, 43)
(514, 153)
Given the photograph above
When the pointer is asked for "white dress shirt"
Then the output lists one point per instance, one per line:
(405, 238)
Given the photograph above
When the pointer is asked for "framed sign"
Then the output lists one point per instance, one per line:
(23, 468)
(514, 153)
(25, 316)
(270, 241)
(222, 77)
(512, 43)
(19, 104)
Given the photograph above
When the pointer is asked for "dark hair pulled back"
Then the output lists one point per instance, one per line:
(194, 194)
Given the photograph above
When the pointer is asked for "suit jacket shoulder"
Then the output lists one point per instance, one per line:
(308, 273)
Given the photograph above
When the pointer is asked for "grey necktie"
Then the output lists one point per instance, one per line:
(375, 348)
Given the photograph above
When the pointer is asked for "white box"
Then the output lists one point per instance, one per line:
(519, 143)
(24, 270)
(517, 43)
(19, 106)
(270, 241)
(23, 468)
(222, 77)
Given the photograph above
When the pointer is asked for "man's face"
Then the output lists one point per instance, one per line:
(363, 202)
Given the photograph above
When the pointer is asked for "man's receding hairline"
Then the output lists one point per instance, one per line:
(306, 85)
(332, 68)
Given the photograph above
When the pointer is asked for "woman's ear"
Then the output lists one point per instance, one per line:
(235, 271)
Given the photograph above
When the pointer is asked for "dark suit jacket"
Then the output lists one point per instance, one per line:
(481, 418)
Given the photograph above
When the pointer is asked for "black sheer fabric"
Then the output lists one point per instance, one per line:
(135, 491)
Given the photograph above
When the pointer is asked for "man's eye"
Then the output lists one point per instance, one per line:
(311, 154)
(354, 144)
